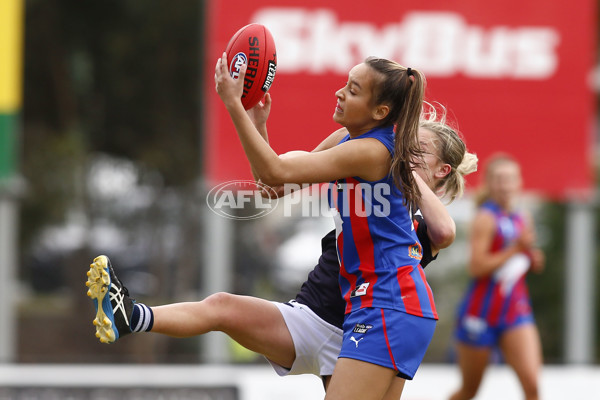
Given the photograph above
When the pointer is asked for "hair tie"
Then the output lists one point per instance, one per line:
(409, 71)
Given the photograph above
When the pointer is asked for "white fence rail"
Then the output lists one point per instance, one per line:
(225, 382)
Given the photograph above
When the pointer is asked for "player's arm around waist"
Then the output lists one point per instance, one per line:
(441, 228)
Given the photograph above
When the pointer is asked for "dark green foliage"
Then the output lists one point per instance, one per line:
(547, 289)
(118, 77)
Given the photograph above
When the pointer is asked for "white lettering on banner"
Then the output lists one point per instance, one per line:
(438, 43)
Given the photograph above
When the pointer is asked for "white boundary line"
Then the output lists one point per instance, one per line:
(432, 382)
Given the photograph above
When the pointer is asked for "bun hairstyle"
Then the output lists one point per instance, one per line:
(451, 150)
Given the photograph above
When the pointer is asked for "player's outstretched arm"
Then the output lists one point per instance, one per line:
(259, 114)
(363, 158)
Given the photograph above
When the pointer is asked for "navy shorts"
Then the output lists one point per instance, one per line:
(392, 339)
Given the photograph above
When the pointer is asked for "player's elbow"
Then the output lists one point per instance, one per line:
(443, 235)
(445, 240)
(278, 172)
(269, 180)
(273, 176)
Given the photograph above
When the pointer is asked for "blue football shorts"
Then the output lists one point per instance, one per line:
(390, 338)
(475, 331)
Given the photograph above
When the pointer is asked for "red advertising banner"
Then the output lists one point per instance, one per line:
(514, 75)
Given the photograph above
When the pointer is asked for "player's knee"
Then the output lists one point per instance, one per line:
(219, 304)
(219, 301)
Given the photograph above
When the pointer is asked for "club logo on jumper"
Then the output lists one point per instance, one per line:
(270, 75)
(356, 341)
(236, 64)
(242, 200)
(415, 251)
(361, 328)
(361, 290)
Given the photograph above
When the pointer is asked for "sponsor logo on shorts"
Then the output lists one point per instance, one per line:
(361, 328)
(361, 290)
(356, 341)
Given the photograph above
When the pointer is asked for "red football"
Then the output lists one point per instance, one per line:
(253, 45)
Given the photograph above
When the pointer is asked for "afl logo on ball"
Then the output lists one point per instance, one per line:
(236, 64)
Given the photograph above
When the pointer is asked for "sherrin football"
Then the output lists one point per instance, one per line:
(254, 46)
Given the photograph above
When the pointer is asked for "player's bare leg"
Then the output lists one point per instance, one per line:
(395, 390)
(354, 379)
(254, 323)
(522, 350)
(472, 362)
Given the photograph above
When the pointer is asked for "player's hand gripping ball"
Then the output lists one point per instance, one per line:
(254, 46)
